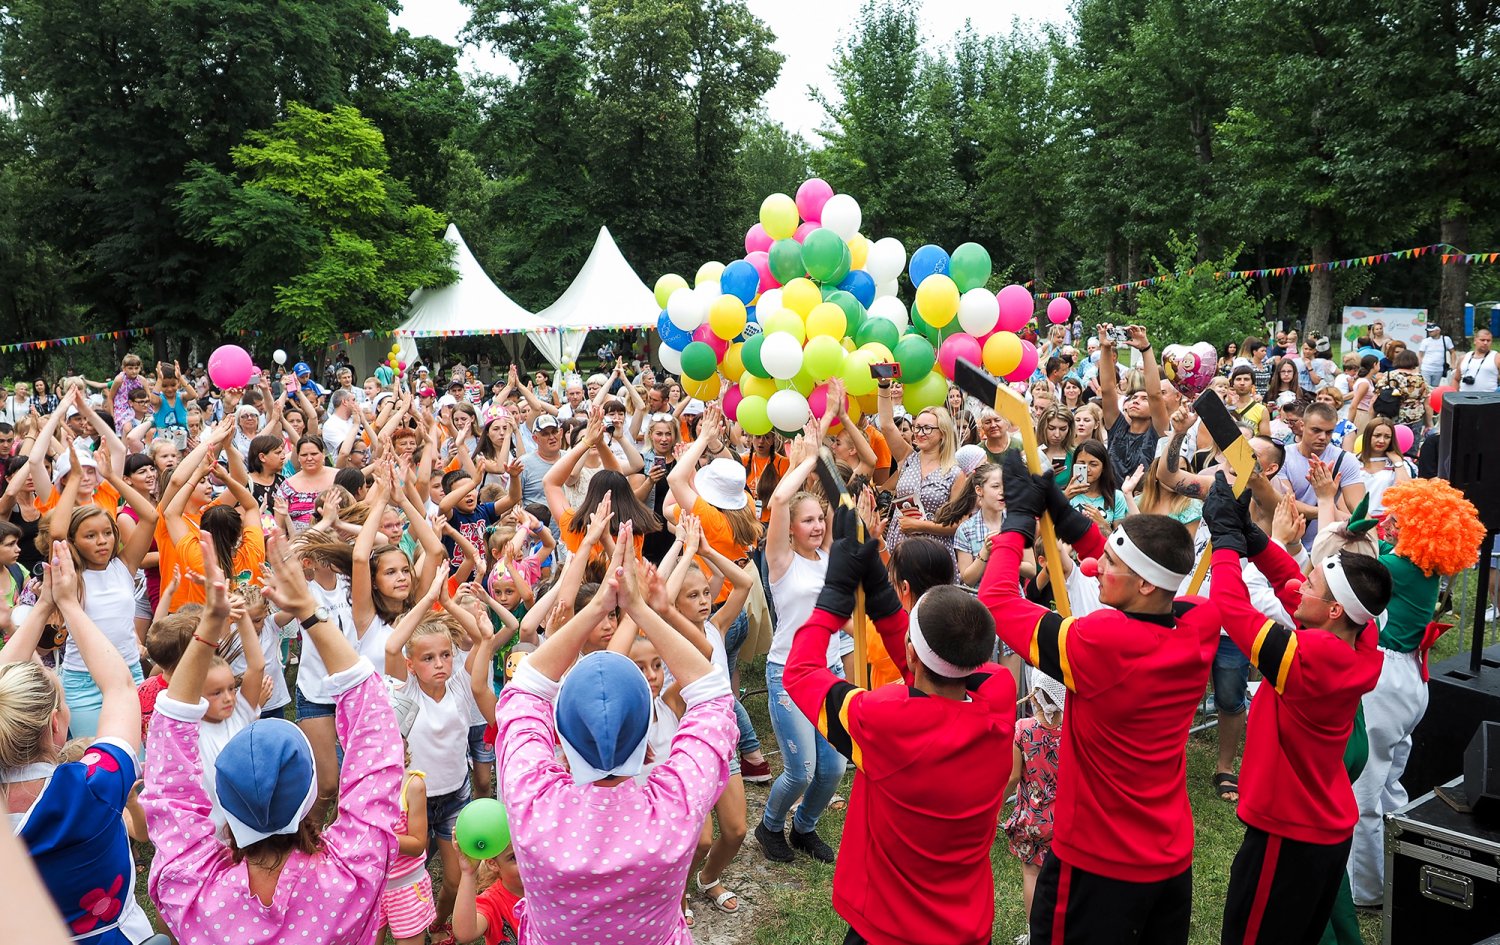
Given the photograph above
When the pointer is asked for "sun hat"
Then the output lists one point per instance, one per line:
(969, 457)
(722, 484)
(64, 463)
(266, 780)
(603, 714)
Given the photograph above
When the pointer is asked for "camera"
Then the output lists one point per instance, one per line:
(609, 428)
(1118, 336)
(1468, 378)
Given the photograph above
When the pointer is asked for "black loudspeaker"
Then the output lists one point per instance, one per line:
(1482, 769)
(1469, 451)
(1459, 701)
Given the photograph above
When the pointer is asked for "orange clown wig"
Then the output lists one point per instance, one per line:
(1440, 529)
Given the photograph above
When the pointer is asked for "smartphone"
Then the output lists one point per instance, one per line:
(1080, 473)
(660, 462)
(1118, 336)
(1059, 463)
(886, 371)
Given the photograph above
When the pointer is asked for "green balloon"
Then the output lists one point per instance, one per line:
(483, 829)
(878, 329)
(969, 266)
(842, 270)
(827, 291)
(853, 311)
(699, 361)
(750, 356)
(752, 416)
(915, 355)
(928, 391)
(822, 358)
(822, 252)
(786, 260)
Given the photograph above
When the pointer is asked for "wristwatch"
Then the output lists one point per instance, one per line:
(321, 615)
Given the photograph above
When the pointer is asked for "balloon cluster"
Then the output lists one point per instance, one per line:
(1190, 367)
(393, 359)
(814, 299)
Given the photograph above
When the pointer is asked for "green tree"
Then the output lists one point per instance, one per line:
(326, 240)
(1195, 306)
(771, 160)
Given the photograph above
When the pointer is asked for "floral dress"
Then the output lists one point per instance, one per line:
(932, 491)
(1028, 829)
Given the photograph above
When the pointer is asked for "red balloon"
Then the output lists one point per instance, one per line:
(731, 400)
(1435, 399)
(707, 336)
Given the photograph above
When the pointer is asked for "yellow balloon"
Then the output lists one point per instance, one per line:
(666, 285)
(1002, 353)
(804, 383)
(869, 403)
(879, 353)
(828, 319)
(856, 374)
(701, 390)
(801, 296)
(726, 317)
(937, 300)
(859, 252)
(752, 386)
(708, 272)
(853, 409)
(848, 344)
(732, 365)
(778, 216)
(788, 321)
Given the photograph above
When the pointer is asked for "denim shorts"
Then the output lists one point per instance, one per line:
(443, 811)
(1231, 676)
(307, 709)
(479, 752)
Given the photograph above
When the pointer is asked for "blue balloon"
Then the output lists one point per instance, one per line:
(861, 285)
(740, 280)
(672, 336)
(927, 261)
(750, 318)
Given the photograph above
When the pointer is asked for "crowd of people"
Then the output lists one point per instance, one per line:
(286, 633)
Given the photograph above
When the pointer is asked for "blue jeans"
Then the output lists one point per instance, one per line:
(85, 700)
(1231, 676)
(733, 640)
(811, 768)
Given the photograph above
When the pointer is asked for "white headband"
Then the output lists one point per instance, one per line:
(1142, 564)
(930, 659)
(1343, 591)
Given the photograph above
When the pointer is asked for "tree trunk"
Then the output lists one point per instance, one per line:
(1320, 291)
(1111, 266)
(1455, 290)
(1132, 270)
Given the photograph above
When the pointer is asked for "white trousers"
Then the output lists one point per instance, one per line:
(1392, 710)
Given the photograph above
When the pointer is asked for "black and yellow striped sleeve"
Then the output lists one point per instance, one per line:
(1049, 647)
(1274, 652)
(833, 720)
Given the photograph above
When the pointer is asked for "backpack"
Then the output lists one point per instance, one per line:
(1387, 402)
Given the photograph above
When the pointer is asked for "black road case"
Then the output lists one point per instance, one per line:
(1442, 874)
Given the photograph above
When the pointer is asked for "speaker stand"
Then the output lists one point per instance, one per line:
(1481, 602)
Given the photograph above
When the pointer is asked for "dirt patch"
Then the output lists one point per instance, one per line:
(752, 877)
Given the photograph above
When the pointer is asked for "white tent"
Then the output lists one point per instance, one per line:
(606, 295)
(470, 305)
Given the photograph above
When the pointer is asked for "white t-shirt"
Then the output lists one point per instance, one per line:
(213, 736)
(460, 658)
(795, 595)
(439, 738)
(372, 645)
(312, 674)
(335, 432)
(109, 600)
(1485, 371)
(270, 647)
(1435, 354)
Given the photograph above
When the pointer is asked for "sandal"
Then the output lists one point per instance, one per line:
(1225, 785)
(687, 916)
(723, 897)
(837, 802)
(442, 934)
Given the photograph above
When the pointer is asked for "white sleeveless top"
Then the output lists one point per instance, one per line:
(659, 736)
(109, 600)
(795, 595)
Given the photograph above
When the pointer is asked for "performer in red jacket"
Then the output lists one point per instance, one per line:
(1122, 850)
(1295, 797)
(932, 755)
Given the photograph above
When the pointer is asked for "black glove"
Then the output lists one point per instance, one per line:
(1224, 517)
(880, 597)
(1256, 540)
(848, 562)
(1025, 500)
(1069, 523)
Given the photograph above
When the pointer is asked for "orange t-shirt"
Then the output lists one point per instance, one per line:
(572, 540)
(717, 533)
(755, 467)
(880, 446)
(105, 496)
(882, 667)
(248, 559)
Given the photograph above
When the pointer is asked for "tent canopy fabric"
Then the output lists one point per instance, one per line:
(470, 305)
(606, 295)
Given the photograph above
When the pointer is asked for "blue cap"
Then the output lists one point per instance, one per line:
(603, 712)
(266, 780)
(301, 369)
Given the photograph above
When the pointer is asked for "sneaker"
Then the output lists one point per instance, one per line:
(1023, 939)
(812, 845)
(773, 844)
(755, 772)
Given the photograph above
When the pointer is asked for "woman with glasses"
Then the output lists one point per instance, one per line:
(927, 473)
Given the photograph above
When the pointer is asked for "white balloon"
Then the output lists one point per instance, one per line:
(841, 215)
(887, 260)
(708, 291)
(782, 356)
(788, 410)
(978, 311)
(892, 310)
(686, 309)
(671, 358)
(884, 289)
(769, 302)
(279, 356)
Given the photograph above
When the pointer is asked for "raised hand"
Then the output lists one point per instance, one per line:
(287, 588)
(599, 521)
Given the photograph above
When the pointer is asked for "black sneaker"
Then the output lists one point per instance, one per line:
(773, 844)
(812, 845)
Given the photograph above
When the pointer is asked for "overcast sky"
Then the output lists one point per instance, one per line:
(807, 31)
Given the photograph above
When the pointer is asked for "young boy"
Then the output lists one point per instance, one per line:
(166, 641)
(270, 629)
(169, 409)
(12, 577)
(468, 516)
(491, 913)
(232, 703)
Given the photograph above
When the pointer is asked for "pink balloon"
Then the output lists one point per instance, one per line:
(230, 366)
(762, 263)
(757, 240)
(706, 335)
(810, 198)
(803, 230)
(958, 346)
(1027, 366)
(731, 401)
(1016, 307)
(817, 401)
(1058, 311)
(1404, 438)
